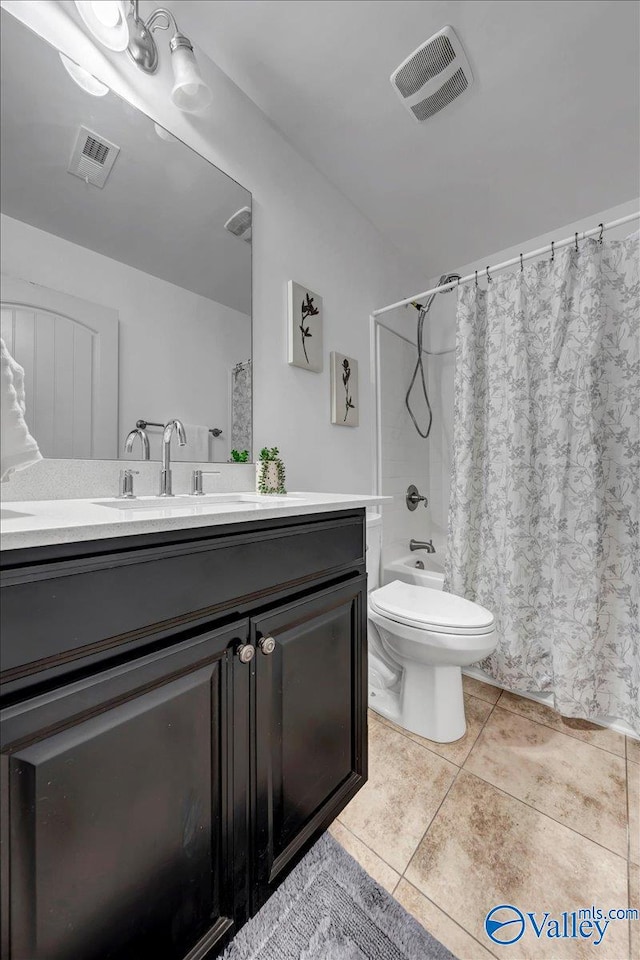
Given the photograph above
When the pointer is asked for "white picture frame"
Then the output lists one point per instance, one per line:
(304, 328)
(345, 406)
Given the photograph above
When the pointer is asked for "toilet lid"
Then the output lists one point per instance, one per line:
(423, 607)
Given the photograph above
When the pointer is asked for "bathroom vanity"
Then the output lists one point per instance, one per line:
(183, 679)
(184, 712)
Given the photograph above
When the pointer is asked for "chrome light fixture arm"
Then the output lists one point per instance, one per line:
(142, 47)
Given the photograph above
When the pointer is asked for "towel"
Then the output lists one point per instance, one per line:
(18, 449)
(197, 445)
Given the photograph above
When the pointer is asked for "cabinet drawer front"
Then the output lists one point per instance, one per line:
(120, 820)
(59, 611)
(310, 722)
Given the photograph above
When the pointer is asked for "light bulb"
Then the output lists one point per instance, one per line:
(107, 22)
(190, 93)
(164, 134)
(83, 78)
(107, 12)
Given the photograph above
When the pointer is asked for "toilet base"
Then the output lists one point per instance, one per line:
(430, 702)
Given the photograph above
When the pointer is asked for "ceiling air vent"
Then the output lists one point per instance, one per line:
(433, 76)
(240, 224)
(93, 157)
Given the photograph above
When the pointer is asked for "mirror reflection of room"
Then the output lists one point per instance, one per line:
(126, 271)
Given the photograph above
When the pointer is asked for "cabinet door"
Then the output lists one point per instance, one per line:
(310, 723)
(118, 840)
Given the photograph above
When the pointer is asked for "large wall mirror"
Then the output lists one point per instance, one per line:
(126, 269)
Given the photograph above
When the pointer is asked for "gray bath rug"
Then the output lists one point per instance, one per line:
(328, 908)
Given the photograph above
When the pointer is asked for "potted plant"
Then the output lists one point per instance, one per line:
(270, 472)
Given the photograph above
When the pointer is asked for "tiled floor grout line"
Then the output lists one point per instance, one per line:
(447, 915)
(406, 733)
(548, 726)
(460, 767)
(402, 877)
(626, 857)
(506, 793)
(433, 818)
(374, 852)
(480, 732)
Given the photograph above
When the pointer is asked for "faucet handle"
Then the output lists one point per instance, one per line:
(196, 481)
(126, 484)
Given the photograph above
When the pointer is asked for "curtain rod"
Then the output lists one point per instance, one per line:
(510, 263)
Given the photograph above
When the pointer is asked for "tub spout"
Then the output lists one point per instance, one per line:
(426, 545)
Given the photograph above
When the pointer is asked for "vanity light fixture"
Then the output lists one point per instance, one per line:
(190, 93)
(107, 21)
(117, 24)
(83, 78)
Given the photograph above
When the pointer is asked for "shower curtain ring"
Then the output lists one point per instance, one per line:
(553, 253)
(521, 265)
(476, 278)
(601, 225)
(488, 275)
(576, 241)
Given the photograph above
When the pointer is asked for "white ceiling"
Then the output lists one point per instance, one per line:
(163, 207)
(549, 133)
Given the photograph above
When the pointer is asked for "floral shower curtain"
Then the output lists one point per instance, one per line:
(544, 518)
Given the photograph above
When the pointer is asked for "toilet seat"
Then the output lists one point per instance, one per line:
(433, 610)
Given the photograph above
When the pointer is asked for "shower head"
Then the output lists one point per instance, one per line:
(450, 278)
(444, 279)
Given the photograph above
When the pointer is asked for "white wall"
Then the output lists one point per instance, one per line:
(304, 229)
(442, 334)
(176, 348)
(404, 454)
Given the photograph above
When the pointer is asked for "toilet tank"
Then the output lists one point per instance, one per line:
(374, 550)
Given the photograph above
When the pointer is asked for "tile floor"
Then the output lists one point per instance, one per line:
(528, 808)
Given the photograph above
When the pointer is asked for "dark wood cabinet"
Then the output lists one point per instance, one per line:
(310, 735)
(117, 794)
(155, 788)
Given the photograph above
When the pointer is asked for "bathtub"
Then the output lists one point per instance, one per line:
(418, 567)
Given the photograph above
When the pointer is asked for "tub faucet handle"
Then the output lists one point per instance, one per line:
(414, 497)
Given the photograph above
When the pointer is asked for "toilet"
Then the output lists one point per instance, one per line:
(419, 640)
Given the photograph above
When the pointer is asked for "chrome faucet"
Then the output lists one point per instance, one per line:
(144, 442)
(165, 473)
(426, 545)
(126, 485)
(197, 489)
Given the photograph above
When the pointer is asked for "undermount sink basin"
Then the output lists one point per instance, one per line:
(225, 501)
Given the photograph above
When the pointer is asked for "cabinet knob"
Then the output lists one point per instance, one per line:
(267, 645)
(246, 653)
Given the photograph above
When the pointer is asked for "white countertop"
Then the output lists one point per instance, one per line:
(36, 523)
